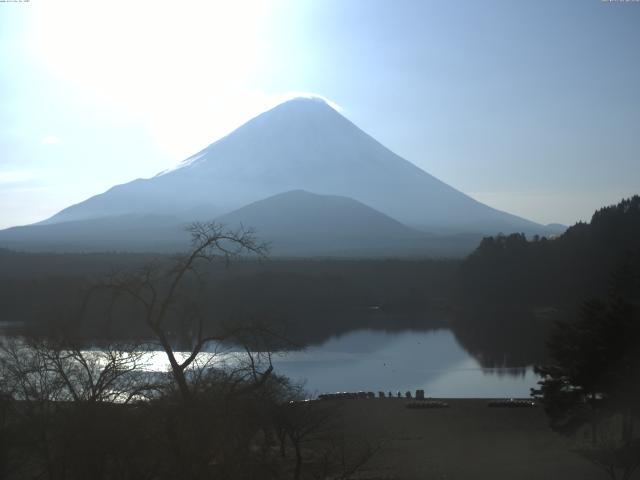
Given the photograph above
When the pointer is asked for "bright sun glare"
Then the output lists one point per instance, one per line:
(184, 68)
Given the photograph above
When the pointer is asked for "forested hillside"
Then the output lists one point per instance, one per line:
(512, 288)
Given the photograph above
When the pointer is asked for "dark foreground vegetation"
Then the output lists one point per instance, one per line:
(309, 300)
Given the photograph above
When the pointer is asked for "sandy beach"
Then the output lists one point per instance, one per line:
(468, 440)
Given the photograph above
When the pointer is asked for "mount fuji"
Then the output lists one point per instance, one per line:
(304, 153)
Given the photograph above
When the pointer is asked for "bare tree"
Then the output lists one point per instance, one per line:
(46, 370)
(166, 296)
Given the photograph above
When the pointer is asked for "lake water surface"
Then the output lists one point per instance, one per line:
(374, 360)
(391, 361)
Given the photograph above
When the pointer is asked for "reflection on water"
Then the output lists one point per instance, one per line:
(377, 360)
(372, 360)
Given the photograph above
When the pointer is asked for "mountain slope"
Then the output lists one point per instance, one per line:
(131, 232)
(302, 213)
(303, 223)
(302, 144)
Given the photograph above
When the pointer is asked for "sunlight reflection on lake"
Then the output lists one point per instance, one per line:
(378, 360)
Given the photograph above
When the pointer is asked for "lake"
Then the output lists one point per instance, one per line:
(392, 361)
(375, 360)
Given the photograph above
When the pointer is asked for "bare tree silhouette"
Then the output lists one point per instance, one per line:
(164, 293)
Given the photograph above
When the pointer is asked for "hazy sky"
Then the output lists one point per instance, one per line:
(530, 106)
